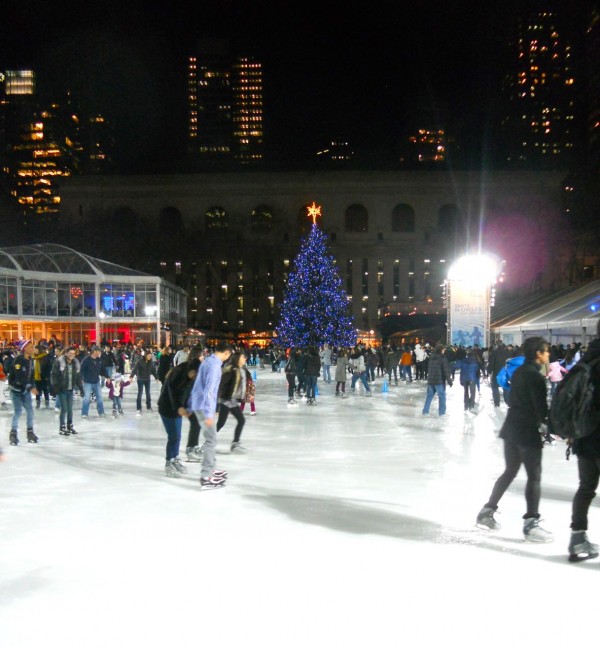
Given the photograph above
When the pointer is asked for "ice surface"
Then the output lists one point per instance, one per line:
(348, 524)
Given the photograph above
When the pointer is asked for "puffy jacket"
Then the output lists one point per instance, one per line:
(59, 376)
(438, 370)
(505, 374)
(20, 374)
(469, 370)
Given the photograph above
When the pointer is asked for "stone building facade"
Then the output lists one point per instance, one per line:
(393, 234)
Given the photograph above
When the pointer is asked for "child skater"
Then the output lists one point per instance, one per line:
(116, 385)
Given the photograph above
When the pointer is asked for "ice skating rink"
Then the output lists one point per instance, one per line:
(348, 524)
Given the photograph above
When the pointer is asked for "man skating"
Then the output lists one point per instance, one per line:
(203, 402)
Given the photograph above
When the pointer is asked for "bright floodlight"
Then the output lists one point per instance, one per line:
(150, 310)
(474, 269)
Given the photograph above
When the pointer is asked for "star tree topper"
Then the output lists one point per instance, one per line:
(314, 211)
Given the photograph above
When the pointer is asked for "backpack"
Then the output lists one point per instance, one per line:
(505, 374)
(574, 413)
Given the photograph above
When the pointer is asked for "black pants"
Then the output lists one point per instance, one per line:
(495, 390)
(143, 384)
(194, 432)
(514, 456)
(589, 473)
(291, 379)
(42, 388)
(237, 413)
(469, 395)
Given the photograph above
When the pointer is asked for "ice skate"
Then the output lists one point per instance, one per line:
(32, 438)
(63, 431)
(534, 533)
(138, 413)
(13, 438)
(115, 414)
(212, 482)
(193, 454)
(71, 430)
(292, 402)
(170, 470)
(238, 449)
(220, 474)
(177, 464)
(580, 548)
(485, 519)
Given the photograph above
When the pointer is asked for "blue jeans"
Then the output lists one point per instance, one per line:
(311, 384)
(440, 390)
(363, 377)
(117, 403)
(406, 372)
(66, 407)
(327, 373)
(173, 427)
(143, 384)
(88, 388)
(21, 401)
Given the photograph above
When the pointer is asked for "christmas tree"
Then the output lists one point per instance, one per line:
(315, 307)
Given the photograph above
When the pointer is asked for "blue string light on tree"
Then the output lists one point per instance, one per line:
(315, 306)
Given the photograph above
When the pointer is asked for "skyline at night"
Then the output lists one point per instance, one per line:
(331, 71)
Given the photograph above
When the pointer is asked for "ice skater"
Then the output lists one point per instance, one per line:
(523, 444)
(232, 391)
(172, 401)
(21, 383)
(203, 402)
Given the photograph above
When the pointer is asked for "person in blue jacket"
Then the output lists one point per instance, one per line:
(469, 373)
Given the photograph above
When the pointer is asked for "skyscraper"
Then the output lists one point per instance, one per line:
(593, 62)
(538, 125)
(225, 99)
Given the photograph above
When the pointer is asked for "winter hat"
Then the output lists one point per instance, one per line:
(21, 344)
(117, 377)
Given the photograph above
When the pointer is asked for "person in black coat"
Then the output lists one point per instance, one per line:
(165, 363)
(498, 358)
(587, 450)
(438, 374)
(65, 377)
(523, 443)
(313, 370)
(172, 408)
(232, 391)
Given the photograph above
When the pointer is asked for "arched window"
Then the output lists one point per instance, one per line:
(449, 218)
(403, 218)
(357, 218)
(216, 218)
(261, 220)
(170, 221)
(126, 219)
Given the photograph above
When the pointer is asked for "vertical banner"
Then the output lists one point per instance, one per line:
(468, 313)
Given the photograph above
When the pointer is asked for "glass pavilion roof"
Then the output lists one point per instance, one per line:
(567, 308)
(54, 258)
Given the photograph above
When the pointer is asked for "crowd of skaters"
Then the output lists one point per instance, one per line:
(205, 385)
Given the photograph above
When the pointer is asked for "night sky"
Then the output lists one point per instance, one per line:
(359, 70)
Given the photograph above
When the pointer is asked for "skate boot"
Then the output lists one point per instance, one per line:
(193, 454)
(171, 470)
(32, 438)
(237, 448)
(177, 464)
(71, 430)
(14, 440)
(63, 431)
(212, 482)
(534, 533)
(486, 519)
(580, 547)
(292, 402)
(220, 474)
(115, 414)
